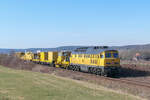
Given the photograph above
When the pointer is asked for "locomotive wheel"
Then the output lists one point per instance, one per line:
(104, 74)
(69, 67)
(94, 70)
(73, 68)
(89, 70)
(77, 68)
(98, 71)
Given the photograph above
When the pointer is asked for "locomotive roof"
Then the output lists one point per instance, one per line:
(91, 50)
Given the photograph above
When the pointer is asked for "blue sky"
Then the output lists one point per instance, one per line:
(53, 23)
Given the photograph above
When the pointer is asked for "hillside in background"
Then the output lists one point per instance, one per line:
(128, 47)
(133, 47)
(128, 52)
(7, 51)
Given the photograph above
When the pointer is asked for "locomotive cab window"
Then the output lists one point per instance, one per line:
(108, 55)
(115, 55)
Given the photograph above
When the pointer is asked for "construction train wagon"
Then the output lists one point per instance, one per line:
(48, 58)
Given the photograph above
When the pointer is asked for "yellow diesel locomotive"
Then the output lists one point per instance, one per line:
(97, 60)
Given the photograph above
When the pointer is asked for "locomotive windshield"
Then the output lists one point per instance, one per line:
(111, 54)
(115, 55)
(108, 55)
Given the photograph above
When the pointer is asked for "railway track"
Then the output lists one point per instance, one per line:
(132, 82)
(127, 81)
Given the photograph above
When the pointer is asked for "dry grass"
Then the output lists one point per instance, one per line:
(36, 86)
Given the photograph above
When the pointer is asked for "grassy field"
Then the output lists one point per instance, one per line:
(25, 85)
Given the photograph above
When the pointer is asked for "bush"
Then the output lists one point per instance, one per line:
(14, 62)
(129, 54)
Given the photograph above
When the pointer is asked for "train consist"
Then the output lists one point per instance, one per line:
(99, 60)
